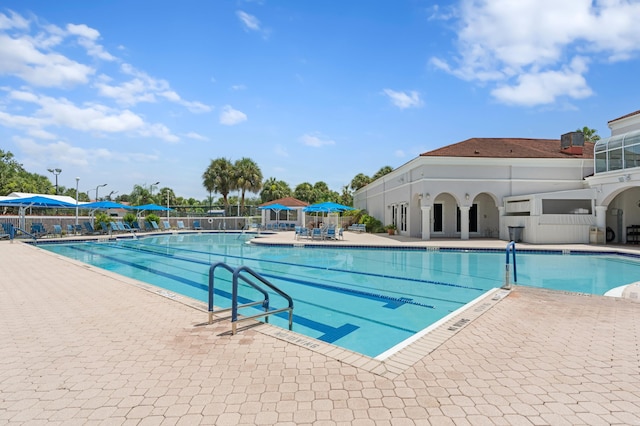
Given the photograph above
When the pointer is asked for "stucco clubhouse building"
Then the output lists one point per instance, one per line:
(549, 190)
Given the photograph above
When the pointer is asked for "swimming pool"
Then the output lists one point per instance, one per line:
(363, 299)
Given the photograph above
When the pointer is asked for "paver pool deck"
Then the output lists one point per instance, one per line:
(80, 345)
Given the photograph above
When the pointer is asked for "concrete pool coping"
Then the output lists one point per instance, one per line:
(83, 346)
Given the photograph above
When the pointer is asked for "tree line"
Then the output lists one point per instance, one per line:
(222, 177)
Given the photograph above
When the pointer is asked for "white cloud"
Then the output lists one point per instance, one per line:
(231, 117)
(399, 153)
(60, 112)
(63, 153)
(143, 88)
(13, 21)
(19, 57)
(196, 136)
(316, 141)
(544, 87)
(518, 45)
(249, 22)
(404, 100)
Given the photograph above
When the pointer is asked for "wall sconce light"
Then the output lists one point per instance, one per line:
(627, 177)
(427, 196)
(466, 196)
(401, 180)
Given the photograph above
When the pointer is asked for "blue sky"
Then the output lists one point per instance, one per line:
(134, 92)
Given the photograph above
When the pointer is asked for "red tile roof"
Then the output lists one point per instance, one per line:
(508, 148)
(287, 201)
(625, 116)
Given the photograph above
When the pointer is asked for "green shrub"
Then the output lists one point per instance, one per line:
(373, 225)
(100, 217)
(153, 218)
(129, 218)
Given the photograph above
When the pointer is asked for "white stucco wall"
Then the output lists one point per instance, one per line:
(449, 180)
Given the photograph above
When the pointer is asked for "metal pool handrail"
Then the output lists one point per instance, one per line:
(511, 247)
(264, 302)
(234, 299)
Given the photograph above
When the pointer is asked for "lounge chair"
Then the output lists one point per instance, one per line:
(166, 225)
(316, 234)
(196, 224)
(154, 225)
(90, 229)
(181, 225)
(105, 228)
(302, 232)
(136, 226)
(37, 229)
(148, 227)
(70, 229)
(330, 233)
(57, 230)
(123, 227)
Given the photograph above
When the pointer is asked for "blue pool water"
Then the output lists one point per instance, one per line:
(365, 300)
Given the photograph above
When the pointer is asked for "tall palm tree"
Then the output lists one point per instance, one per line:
(219, 177)
(383, 171)
(590, 135)
(248, 177)
(273, 189)
(359, 181)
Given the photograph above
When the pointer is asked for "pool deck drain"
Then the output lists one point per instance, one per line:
(81, 346)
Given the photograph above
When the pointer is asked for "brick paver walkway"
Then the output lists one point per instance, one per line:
(82, 346)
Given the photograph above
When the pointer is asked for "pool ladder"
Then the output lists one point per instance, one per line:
(254, 280)
(511, 247)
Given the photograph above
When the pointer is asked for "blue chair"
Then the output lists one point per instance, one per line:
(180, 224)
(57, 230)
(316, 234)
(166, 225)
(196, 224)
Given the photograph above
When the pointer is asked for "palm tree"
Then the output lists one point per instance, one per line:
(219, 177)
(273, 189)
(359, 181)
(590, 135)
(304, 192)
(140, 195)
(248, 177)
(383, 171)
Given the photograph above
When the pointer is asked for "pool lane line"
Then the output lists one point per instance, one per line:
(328, 287)
(327, 330)
(394, 302)
(440, 283)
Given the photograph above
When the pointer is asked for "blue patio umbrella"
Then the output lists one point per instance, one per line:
(327, 207)
(152, 207)
(37, 201)
(276, 208)
(103, 205)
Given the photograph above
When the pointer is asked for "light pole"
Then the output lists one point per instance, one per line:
(110, 194)
(99, 186)
(55, 172)
(76, 228)
(151, 189)
(167, 204)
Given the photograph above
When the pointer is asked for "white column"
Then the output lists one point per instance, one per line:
(426, 222)
(501, 226)
(601, 217)
(464, 222)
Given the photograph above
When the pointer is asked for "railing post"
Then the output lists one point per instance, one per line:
(511, 246)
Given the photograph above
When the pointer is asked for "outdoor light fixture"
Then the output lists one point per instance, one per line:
(99, 186)
(151, 187)
(55, 172)
(427, 196)
(466, 196)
